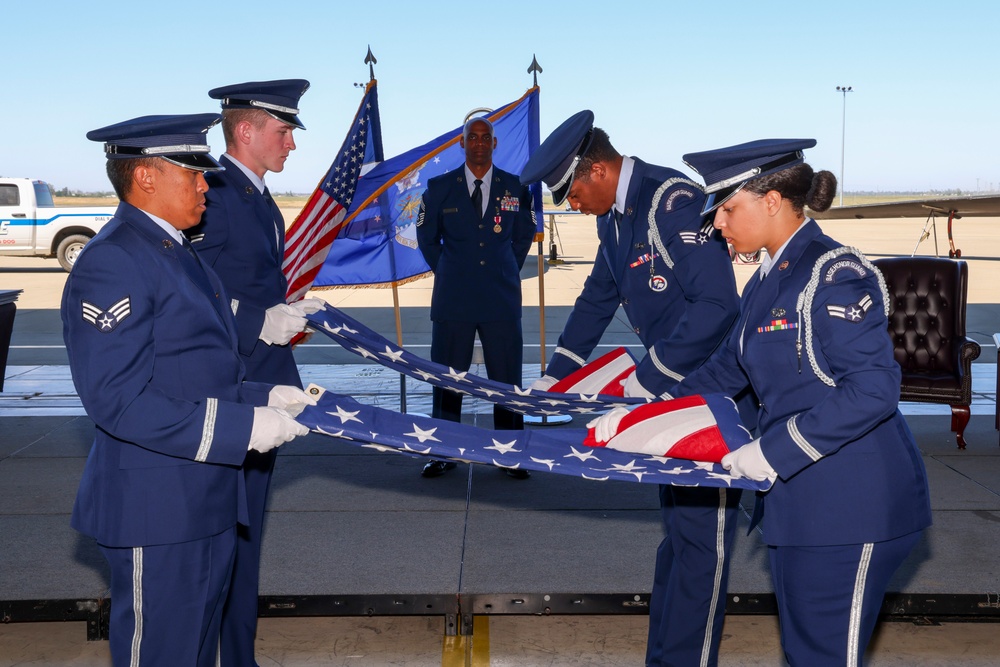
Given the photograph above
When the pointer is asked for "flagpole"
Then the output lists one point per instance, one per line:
(399, 342)
(371, 62)
(534, 69)
(541, 306)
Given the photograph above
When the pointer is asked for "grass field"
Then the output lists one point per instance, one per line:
(298, 201)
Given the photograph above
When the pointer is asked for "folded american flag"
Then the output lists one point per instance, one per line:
(549, 450)
(699, 428)
(604, 375)
(359, 339)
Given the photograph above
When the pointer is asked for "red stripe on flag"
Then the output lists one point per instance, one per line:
(308, 242)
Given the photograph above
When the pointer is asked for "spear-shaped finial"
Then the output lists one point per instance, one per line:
(534, 69)
(371, 62)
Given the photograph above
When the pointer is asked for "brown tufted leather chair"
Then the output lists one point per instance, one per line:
(927, 299)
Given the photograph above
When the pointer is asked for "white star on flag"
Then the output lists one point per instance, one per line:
(548, 462)
(503, 447)
(393, 356)
(344, 416)
(365, 353)
(452, 374)
(423, 435)
(583, 456)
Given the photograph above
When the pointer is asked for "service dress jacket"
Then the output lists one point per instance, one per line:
(811, 339)
(684, 322)
(152, 349)
(476, 259)
(242, 237)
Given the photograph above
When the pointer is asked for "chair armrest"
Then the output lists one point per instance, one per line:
(969, 350)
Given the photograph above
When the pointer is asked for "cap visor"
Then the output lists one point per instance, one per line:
(286, 118)
(196, 161)
(559, 194)
(717, 199)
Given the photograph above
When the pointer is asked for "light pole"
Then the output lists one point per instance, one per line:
(843, 134)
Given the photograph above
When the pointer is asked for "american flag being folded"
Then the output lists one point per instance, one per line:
(359, 339)
(559, 450)
(699, 428)
(604, 375)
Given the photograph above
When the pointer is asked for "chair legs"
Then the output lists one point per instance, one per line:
(960, 415)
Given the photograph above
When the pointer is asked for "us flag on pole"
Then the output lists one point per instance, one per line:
(308, 240)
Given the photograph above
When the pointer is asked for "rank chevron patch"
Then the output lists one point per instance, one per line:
(108, 320)
(854, 312)
(694, 238)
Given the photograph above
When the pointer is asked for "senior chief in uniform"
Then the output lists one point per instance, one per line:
(662, 262)
(474, 229)
(152, 347)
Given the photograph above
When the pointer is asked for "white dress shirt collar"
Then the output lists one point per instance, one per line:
(624, 179)
(174, 233)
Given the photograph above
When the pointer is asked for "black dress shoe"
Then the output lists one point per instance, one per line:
(517, 473)
(437, 468)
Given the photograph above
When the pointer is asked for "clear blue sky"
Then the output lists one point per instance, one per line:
(663, 78)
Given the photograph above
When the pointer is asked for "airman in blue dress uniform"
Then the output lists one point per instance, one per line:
(242, 237)
(476, 248)
(152, 348)
(850, 497)
(662, 262)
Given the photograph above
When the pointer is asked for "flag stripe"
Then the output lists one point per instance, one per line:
(308, 240)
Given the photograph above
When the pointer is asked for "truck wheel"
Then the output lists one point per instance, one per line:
(69, 249)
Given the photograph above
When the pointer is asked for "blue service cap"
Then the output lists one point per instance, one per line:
(554, 162)
(180, 139)
(278, 98)
(727, 170)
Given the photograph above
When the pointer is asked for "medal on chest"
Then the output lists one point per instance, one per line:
(657, 283)
(496, 227)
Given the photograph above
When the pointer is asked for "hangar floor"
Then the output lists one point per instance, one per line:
(367, 563)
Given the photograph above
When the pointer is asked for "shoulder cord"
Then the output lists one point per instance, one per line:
(655, 242)
(805, 301)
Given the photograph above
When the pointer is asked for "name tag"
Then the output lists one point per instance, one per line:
(450, 210)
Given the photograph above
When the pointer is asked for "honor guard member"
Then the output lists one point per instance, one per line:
(242, 237)
(850, 498)
(152, 347)
(660, 260)
(475, 228)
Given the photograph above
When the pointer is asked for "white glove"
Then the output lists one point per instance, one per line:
(290, 399)
(308, 306)
(272, 427)
(634, 389)
(748, 461)
(606, 426)
(543, 383)
(281, 323)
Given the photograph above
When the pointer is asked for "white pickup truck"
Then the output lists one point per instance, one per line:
(31, 225)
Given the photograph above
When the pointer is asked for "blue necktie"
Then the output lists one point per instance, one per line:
(614, 217)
